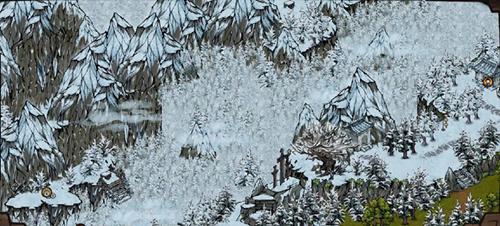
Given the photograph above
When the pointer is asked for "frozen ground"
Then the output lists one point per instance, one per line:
(241, 115)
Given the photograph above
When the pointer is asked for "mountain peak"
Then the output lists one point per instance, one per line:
(118, 20)
(381, 44)
(362, 99)
(198, 144)
(151, 20)
(360, 75)
(307, 119)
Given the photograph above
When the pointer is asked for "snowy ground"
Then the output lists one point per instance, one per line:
(241, 115)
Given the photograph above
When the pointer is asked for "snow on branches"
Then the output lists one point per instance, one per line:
(327, 144)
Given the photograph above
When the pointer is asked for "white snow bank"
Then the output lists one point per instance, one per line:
(35, 199)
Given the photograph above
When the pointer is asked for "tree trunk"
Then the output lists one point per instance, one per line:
(405, 154)
(469, 121)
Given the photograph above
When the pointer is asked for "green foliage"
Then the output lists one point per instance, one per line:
(377, 213)
(491, 201)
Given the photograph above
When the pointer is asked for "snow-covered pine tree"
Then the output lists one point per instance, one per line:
(310, 204)
(424, 127)
(265, 16)
(354, 202)
(456, 107)
(357, 167)
(429, 218)
(87, 80)
(331, 212)
(442, 189)
(489, 137)
(265, 218)
(224, 205)
(473, 211)
(248, 172)
(439, 218)
(390, 140)
(465, 151)
(281, 216)
(423, 193)
(456, 217)
(377, 173)
(485, 44)
(404, 203)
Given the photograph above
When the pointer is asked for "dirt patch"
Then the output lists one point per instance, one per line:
(462, 198)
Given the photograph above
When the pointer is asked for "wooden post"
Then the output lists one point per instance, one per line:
(288, 168)
(275, 180)
(287, 165)
(282, 166)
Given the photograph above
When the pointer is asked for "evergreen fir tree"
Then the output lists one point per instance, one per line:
(331, 211)
(465, 151)
(377, 173)
(281, 216)
(248, 172)
(473, 211)
(456, 217)
(224, 205)
(354, 202)
(405, 204)
(489, 137)
(438, 219)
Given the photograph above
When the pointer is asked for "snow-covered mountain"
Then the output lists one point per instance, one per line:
(287, 45)
(8, 150)
(88, 31)
(117, 39)
(88, 78)
(198, 144)
(359, 100)
(149, 45)
(29, 15)
(9, 70)
(307, 119)
(174, 15)
(380, 45)
(14, 12)
(36, 140)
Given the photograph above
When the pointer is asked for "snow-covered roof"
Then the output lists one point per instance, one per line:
(247, 205)
(263, 197)
(485, 66)
(287, 184)
(31, 200)
(360, 126)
